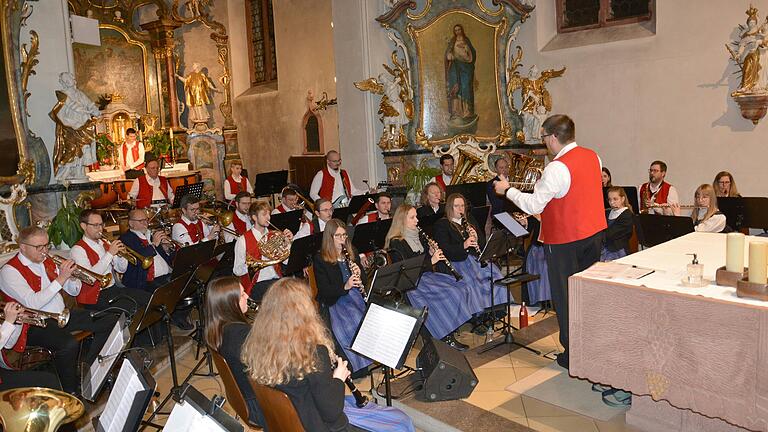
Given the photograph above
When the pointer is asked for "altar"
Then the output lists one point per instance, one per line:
(692, 357)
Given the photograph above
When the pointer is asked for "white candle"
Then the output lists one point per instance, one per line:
(734, 252)
(757, 262)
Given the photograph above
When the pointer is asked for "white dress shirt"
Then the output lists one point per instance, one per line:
(715, 223)
(157, 194)
(7, 330)
(338, 185)
(229, 195)
(614, 213)
(305, 226)
(228, 237)
(240, 268)
(106, 262)
(446, 179)
(554, 183)
(672, 198)
(162, 268)
(130, 162)
(180, 234)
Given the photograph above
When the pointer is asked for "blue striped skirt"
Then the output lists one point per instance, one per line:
(606, 255)
(346, 316)
(446, 300)
(378, 418)
(536, 263)
(476, 279)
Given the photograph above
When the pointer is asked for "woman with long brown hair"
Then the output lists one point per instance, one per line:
(290, 349)
(338, 288)
(725, 185)
(225, 330)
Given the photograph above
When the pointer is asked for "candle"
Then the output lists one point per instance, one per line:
(757, 262)
(171, 130)
(734, 252)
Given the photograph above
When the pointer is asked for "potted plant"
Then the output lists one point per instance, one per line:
(415, 179)
(65, 226)
(104, 150)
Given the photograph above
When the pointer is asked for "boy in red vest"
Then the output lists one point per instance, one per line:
(323, 213)
(236, 182)
(446, 166)
(248, 246)
(382, 210)
(332, 182)
(190, 229)
(289, 201)
(241, 222)
(569, 197)
(151, 189)
(131, 152)
(657, 191)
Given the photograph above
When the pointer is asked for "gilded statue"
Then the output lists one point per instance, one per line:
(536, 99)
(197, 87)
(750, 55)
(75, 116)
(396, 106)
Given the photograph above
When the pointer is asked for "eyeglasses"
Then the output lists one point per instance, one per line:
(335, 161)
(97, 225)
(341, 236)
(145, 220)
(39, 248)
(544, 136)
(325, 209)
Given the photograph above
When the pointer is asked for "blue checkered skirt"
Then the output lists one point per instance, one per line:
(378, 418)
(445, 298)
(477, 280)
(536, 263)
(346, 315)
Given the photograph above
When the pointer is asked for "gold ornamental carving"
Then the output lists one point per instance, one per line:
(28, 62)
(750, 54)
(471, 156)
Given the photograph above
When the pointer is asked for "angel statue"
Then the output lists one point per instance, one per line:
(536, 100)
(75, 147)
(751, 56)
(396, 106)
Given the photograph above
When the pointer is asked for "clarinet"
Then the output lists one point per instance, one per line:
(360, 399)
(348, 260)
(433, 245)
(465, 234)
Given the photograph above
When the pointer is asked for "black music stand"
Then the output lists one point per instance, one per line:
(358, 201)
(270, 183)
(473, 192)
(190, 257)
(289, 220)
(125, 408)
(370, 236)
(194, 189)
(401, 276)
(302, 251)
(341, 213)
(481, 215)
(632, 197)
(92, 381)
(655, 229)
(745, 212)
(195, 412)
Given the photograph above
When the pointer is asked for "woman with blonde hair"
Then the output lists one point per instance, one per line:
(431, 201)
(706, 216)
(289, 348)
(725, 185)
(438, 290)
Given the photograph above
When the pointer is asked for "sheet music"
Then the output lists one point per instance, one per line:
(186, 418)
(121, 399)
(511, 224)
(384, 335)
(109, 354)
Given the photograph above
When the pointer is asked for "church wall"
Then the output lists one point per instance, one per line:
(269, 117)
(663, 97)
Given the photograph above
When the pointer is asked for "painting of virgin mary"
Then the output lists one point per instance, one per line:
(460, 57)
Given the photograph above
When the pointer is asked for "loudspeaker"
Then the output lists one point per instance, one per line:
(447, 373)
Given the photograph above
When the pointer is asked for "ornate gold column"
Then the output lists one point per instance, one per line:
(163, 43)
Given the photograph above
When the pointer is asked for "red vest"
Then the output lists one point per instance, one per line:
(240, 226)
(659, 198)
(135, 152)
(579, 214)
(326, 188)
(369, 217)
(281, 209)
(144, 197)
(440, 182)
(252, 250)
(195, 230)
(89, 294)
(236, 187)
(35, 283)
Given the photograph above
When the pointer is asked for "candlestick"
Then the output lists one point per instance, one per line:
(734, 252)
(757, 262)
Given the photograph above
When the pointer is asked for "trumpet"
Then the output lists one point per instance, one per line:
(82, 273)
(132, 256)
(36, 317)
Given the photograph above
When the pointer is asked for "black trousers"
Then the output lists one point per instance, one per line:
(15, 379)
(65, 347)
(260, 288)
(129, 299)
(563, 260)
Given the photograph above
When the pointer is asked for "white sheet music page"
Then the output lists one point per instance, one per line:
(109, 354)
(121, 399)
(384, 335)
(186, 418)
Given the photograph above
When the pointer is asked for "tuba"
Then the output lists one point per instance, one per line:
(464, 165)
(37, 409)
(524, 171)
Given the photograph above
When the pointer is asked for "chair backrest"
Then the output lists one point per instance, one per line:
(279, 412)
(312, 283)
(234, 395)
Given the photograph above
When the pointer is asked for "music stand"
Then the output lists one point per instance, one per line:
(92, 381)
(400, 276)
(386, 334)
(302, 251)
(481, 215)
(341, 213)
(656, 229)
(473, 192)
(125, 408)
(189, 257)
(357, 201)
(270, 183)
(289, 220)
(370, 236)
(745, 212)
(632, 197)
(196, 413)
(194, 189)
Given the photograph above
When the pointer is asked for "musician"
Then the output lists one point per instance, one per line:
(151, 189)
(131, 152)
(226, 330)
(338, 288)
(497, 203)
(10, 378)
(620, 221)
(706, 216)
(444, 296)
(236, 182)
(94, 253)
(332, 182)
(606, 176)
(446, 175)
(725, 185)
(657, 191)
(569, 198)
(289, 201)
(155, 244)
(249, 244)
(289, 348)
(382, 210)
(32, 279)
(323, 213)
(431, 201)
(241, 222)
(191, 229)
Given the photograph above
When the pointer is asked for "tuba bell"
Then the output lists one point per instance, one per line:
(464, 165)
(524, 171)
(37, 409)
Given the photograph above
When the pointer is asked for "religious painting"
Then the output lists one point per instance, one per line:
(119, 65)
(457, 71)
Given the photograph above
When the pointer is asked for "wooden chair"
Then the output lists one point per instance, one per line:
(279, 412)
(312, 283)
(234, 395)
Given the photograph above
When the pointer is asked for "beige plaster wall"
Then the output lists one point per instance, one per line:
(269, 119)
(664, 97)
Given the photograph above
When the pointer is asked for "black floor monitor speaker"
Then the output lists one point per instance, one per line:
(447, 373)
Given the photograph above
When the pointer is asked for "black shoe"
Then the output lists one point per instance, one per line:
(183, 324)
(453, 343)
(562, 360)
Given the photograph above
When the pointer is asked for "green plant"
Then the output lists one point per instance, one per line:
(104, 148)
(416, 177)
(65, 226)
(160, 143)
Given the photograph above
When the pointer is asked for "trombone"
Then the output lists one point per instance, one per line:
(223, 219)
(37, 317)
(132, 256)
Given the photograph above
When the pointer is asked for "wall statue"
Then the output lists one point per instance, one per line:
(197, 86)
(750, 53)
(74, 115)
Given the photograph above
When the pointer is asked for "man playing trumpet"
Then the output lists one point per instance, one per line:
(190, 229)
(149, 244)
(241, 222)
(33, 279)
(249, 247)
